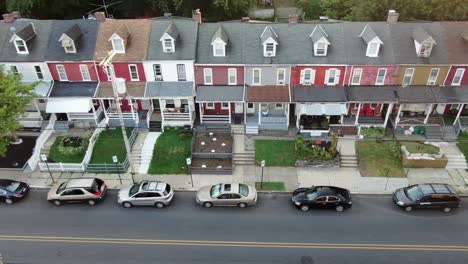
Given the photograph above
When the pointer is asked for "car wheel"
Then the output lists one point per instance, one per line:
(208, 205)
(92, 202)
(159, 205)
(8, 201)
(447, 209)
(127, 204)
(339, 208)
(242, 205)
(57, 202)
(305, 208)
(408, 208)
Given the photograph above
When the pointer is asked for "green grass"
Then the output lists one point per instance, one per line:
(275, 152)
(270, 186)
(416, 147)
(109, 143)
(463, 143)
(377, 159)
(170, 153)
(56, 156)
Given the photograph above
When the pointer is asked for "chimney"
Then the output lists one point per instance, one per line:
(16, 14)
(8, 18)
(392, 17)
(293, 18)
(100, 16)
(245, 19)
(196, 15)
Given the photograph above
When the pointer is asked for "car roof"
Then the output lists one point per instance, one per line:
(230, 188)
(4, 182)
(327, 190)
(80, 183)
(153, 186)
(436, 188)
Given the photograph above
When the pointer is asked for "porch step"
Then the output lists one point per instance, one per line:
(349, 161)
(245, 158)
(214, 128)
(344, 130)
(238, 129)
(217, 119)
(434, 132)
(252, 130)
(155, 126)
(450, 133)
(456, 162)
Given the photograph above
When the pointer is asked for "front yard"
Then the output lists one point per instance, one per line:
(170, 153)
(71, 153)
(463, 143)
(109, 143)
(417, 147)
(379, 159)
(275, 152)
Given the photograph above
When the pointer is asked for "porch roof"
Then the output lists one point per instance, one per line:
(319, 94)
(451, 94)
(169, 89)
(42, 89)
(134, 89)
(384, 94)
(73, 89)
(415, 94)
(68, 105)
(225, 93)
(268, 93)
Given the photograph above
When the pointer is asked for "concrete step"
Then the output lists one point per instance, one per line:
(252, 130)
(348, 165)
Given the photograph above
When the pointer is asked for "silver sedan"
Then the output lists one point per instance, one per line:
(227, 194)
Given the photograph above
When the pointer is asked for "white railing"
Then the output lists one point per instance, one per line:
(148, 117)
(92, 141)
(40, 141)
(54, 167)
(169, 116)
(114, 115)
(74, 116)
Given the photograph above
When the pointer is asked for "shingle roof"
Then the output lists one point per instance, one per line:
(457, 45)
(185, 45)
(227, 93)
(27, 32)
(318, 94)
(37, 46)
(386, 94)
(171, 30)
(268, 93)
(85, 45)
(368, 34)
(169, 89)
(450, 94)
(317, 34)
(73, 89)
(74, 32)
(220, 34)
(123, 32)
(135, 50)
(420, 35)
(134, 89)
(267, 33)
(415, 94)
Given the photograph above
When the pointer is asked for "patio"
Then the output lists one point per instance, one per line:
(17, 156)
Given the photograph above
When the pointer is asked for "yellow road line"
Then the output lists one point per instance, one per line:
(246, 244)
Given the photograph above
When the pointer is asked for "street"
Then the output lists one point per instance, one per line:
(373, 231)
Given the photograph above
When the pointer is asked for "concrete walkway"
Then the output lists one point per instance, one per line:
(147, 151)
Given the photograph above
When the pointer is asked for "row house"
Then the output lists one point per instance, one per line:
(22, 51)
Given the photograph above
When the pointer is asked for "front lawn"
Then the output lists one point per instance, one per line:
(275, 152)
(270, 186)
(56, 156)
(109, 143)
(171, 152)
(416, 147)
(379, 159)
(463, 143)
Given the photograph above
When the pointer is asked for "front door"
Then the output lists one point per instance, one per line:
(156, 106)
(250, 108)
(239, 108)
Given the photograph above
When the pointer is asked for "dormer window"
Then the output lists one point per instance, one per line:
(373, 49)
(319, 38)
(21, 47)
(120, 39)
(168, 45)
(219, 42)
(269, 41)
(69, 38)
(269, 50)
(168, 38)
(21, 38)
(118, 46)
(218, 50)
(373, 41)
(320, 49)
(423, 42)
(68, 44)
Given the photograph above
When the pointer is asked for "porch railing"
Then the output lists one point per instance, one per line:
(172, 116)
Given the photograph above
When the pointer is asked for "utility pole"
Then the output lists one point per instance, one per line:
(106, 63)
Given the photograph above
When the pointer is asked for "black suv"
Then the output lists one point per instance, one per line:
(427, 195)
(322, 197)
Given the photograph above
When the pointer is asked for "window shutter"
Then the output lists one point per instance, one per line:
(337, 76)
(302, 76)
(327, 74)
(312, 77)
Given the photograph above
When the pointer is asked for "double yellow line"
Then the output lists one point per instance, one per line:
(245, 244)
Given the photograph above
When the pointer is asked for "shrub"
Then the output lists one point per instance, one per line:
(372, 132)
(394, 148)
(310, 152)
(68, 148)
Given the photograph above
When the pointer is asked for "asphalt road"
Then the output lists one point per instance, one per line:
(373, 231)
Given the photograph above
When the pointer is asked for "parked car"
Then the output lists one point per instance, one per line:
(427, 195)
(90, 190)
(12, 191)
(322, 197)
(155, 193)
(227, 194)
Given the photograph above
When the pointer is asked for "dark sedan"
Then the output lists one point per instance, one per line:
(11, 191)
(322, 197)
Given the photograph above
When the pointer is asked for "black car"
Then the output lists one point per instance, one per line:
(322, 197)
(11, 191)
(428, 195)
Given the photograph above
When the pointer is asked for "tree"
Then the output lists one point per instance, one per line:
(312, 8)
(14, 97)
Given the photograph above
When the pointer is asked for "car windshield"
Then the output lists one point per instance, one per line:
(135, 188)
(12, 186)
(243, 189)
(215, 190)
(414, 193)
(312, 194)
(167, 190)
(61, 188)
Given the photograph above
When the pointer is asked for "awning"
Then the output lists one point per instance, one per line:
(321, 109)
(68, 105)
(225, 93)
(415, 107)
(169, 89)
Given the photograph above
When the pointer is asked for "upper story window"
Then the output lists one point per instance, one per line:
(281, 76)
(256, 76)
(332, 76)
(157, 72)
(408, 76)
(39, 74)
(381, 77)
(423, 42)
(118, 45)
(320, 49)
(21, 47)
(433, 76)
(269, 50)
(169, 37)
(373, 49)
(356, 77)
(181, 75)
(219, 42)
(218, 49)
(232, 76)
(133, 72)
(320, 40)
(457, 78)
(21, 38)
(62, 73)
(307, 76)
(168, 45)
(269, 41)
(372, 40)
(85, 73)
(208, 76)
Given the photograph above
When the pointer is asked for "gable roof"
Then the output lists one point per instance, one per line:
(171, 30)
(368, 34)
(135, 50)
(85, 44)
(317, 34)
(420, 35)
(186, 42)
(268, 33)
(122, 32)
(26, 33)
(220, 34)
(457, 46)
(74, 32)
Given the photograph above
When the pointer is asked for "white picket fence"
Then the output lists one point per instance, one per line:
(40, 141)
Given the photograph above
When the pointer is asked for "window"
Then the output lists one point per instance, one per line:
(224, 105)
(118, 45)
(332, 76)
(269, 49)
(408, 76)
(208, 76)
(425, 49)
(250, 105)
(307, 76)
(356, 77)
(85, 73)
(321, 49)
(332, 199)
(210, 106)
(14, 70)
(109, 68)
(218, 49)
(170, 103)
(232, 76)
(73, 192)
(458, 77)
(61, 72)
(281, 76)
(133, 72)
(321, 199)
(181, 72)
(433, 76)
(278, 106)
(455, 107)
(21, 47)
(372, 49)
(68, 44)
(70, 49)
(381, 77)
(168, 45)
(157, 72)
(39, 74)
(256, 76)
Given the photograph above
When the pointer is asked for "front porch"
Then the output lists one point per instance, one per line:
(35, 116)
(220, 104)
(267, 116)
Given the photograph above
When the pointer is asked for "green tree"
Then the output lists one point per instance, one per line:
(312, 8)
(14, 97)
